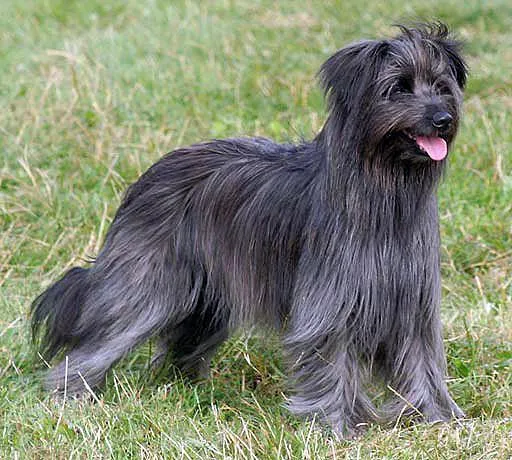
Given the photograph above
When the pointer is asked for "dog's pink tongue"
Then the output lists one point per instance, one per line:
(435, 146)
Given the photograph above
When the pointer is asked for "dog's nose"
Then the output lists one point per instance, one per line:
(441, 120)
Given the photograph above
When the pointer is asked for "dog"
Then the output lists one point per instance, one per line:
(334, 242)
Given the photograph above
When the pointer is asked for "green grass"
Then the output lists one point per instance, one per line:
(92, 93)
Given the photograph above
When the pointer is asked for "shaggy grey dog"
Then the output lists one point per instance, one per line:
(334, 242)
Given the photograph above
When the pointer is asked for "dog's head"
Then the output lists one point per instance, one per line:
(397, 99)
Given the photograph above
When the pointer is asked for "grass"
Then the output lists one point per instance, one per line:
(92, 93)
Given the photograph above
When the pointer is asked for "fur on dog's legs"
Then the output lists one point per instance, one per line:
(193, 343)
(327, 381)
(326, 375)
(102, 313)
(417, 366)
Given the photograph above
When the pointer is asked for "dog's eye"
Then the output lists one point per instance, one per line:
(402, 86)
(444, 90)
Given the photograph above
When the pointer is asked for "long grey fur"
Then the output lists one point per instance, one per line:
(334, 242)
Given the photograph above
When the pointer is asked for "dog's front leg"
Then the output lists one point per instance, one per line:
(327, 383)
(417, 370)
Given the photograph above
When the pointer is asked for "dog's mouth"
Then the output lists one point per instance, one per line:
(433, 146)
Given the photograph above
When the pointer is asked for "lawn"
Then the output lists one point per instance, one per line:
(94, 92)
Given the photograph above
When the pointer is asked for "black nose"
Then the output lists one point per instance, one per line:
(441, 120)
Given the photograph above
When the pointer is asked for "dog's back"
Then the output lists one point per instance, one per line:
(234, 206)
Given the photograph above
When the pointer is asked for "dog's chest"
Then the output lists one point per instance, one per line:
(390, 275)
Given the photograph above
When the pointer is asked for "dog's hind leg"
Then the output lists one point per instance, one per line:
(126, 303)
(192, 344)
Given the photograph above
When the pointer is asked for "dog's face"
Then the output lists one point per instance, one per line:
(401, 98)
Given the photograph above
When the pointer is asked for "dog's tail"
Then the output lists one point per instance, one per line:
(56, 311)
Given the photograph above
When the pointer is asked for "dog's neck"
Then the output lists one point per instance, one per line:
(398, 190)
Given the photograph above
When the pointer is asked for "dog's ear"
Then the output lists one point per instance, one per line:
(457, 63)
(452, 47)
(350, 72)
